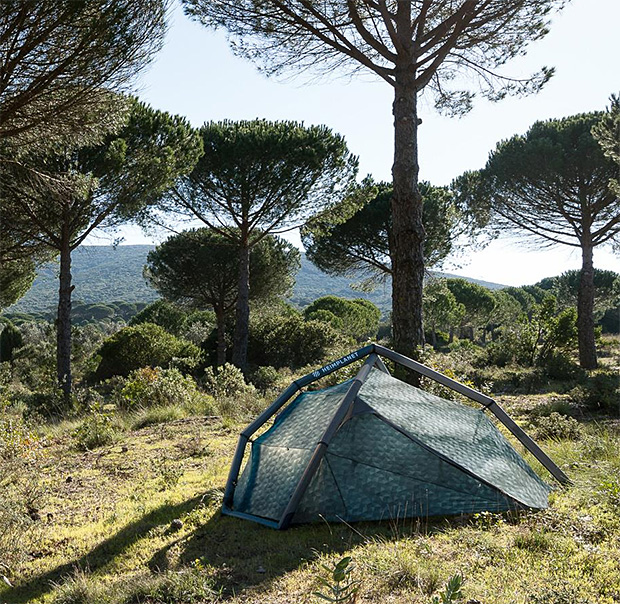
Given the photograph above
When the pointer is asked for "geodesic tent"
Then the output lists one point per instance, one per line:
(374, 448)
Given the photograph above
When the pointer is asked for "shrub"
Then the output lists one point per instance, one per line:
(148, 387)
(357, 318)
(34, 364)
(558, 366)
(557, 426)
(290, 341)
(600, 391)
(10, 339)
(145, 345)
(48, 403)
(265, 377)
(325, 316)
(98, 429)
(225, 381)
(162, 313)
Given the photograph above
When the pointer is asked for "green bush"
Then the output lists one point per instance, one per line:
(289, 341)
(10, 339)
(156, 387)
(356, 318)
(560, 366)
(98, 429)
(557, 426)
(48, 403)
(162, 313)
(600, 391)
(265, 377)
(325, 316)
(225, 381)
(144, 345)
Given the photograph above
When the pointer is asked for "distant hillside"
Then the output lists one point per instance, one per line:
(108, 274)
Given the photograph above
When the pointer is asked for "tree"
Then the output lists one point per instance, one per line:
(565, 288)
(357, 318)
(506, 311)
(353, 237)
(477, 300)
(607, 133)
(552, 185)
(60, 61)
(78, 190)
(16, 277)
(258, 178)
(163, 313)
(441, 310)
(198, 269)
(144, 345)
(412, 45)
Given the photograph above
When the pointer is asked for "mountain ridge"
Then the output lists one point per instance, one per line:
(104, 273)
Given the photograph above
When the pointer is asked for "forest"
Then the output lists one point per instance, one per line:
(128, 372)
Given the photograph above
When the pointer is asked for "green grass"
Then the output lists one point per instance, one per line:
(106, 533)
(108, 536)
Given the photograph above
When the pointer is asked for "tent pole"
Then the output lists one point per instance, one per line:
(297, 385)
(233, 474)
(488, 402)
(528, 443)
(380, 365)
(321, 447)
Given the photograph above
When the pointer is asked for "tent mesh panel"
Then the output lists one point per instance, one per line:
(408, 465)
(280, 455)
(458, 432)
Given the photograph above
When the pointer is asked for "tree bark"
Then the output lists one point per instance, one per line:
(220, 318)
(585, 310)
(242, 322)
(407, 233)
(63, 322)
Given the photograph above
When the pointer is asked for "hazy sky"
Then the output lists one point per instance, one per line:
(196, 75)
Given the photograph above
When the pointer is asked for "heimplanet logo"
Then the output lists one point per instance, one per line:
(335, 364)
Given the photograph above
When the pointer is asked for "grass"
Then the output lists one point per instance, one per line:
(109, 535)
(136, 521)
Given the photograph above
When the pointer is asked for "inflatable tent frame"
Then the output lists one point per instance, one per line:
(373, 354)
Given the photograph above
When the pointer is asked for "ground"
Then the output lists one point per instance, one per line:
(109, 531)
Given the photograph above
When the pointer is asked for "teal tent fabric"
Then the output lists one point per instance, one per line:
(401, 452)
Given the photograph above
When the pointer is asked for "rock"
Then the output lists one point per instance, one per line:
(176, 524)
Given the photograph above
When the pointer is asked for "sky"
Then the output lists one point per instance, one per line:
(196, 75)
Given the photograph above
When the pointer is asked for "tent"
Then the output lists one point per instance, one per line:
(375, 447)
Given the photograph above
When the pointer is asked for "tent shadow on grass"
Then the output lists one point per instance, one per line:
(100, 555)
(247, 555)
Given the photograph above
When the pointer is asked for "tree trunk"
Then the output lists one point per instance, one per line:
(407, 233)
(63, 322)
(585, 311)
(220, 318)
(242, 322)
